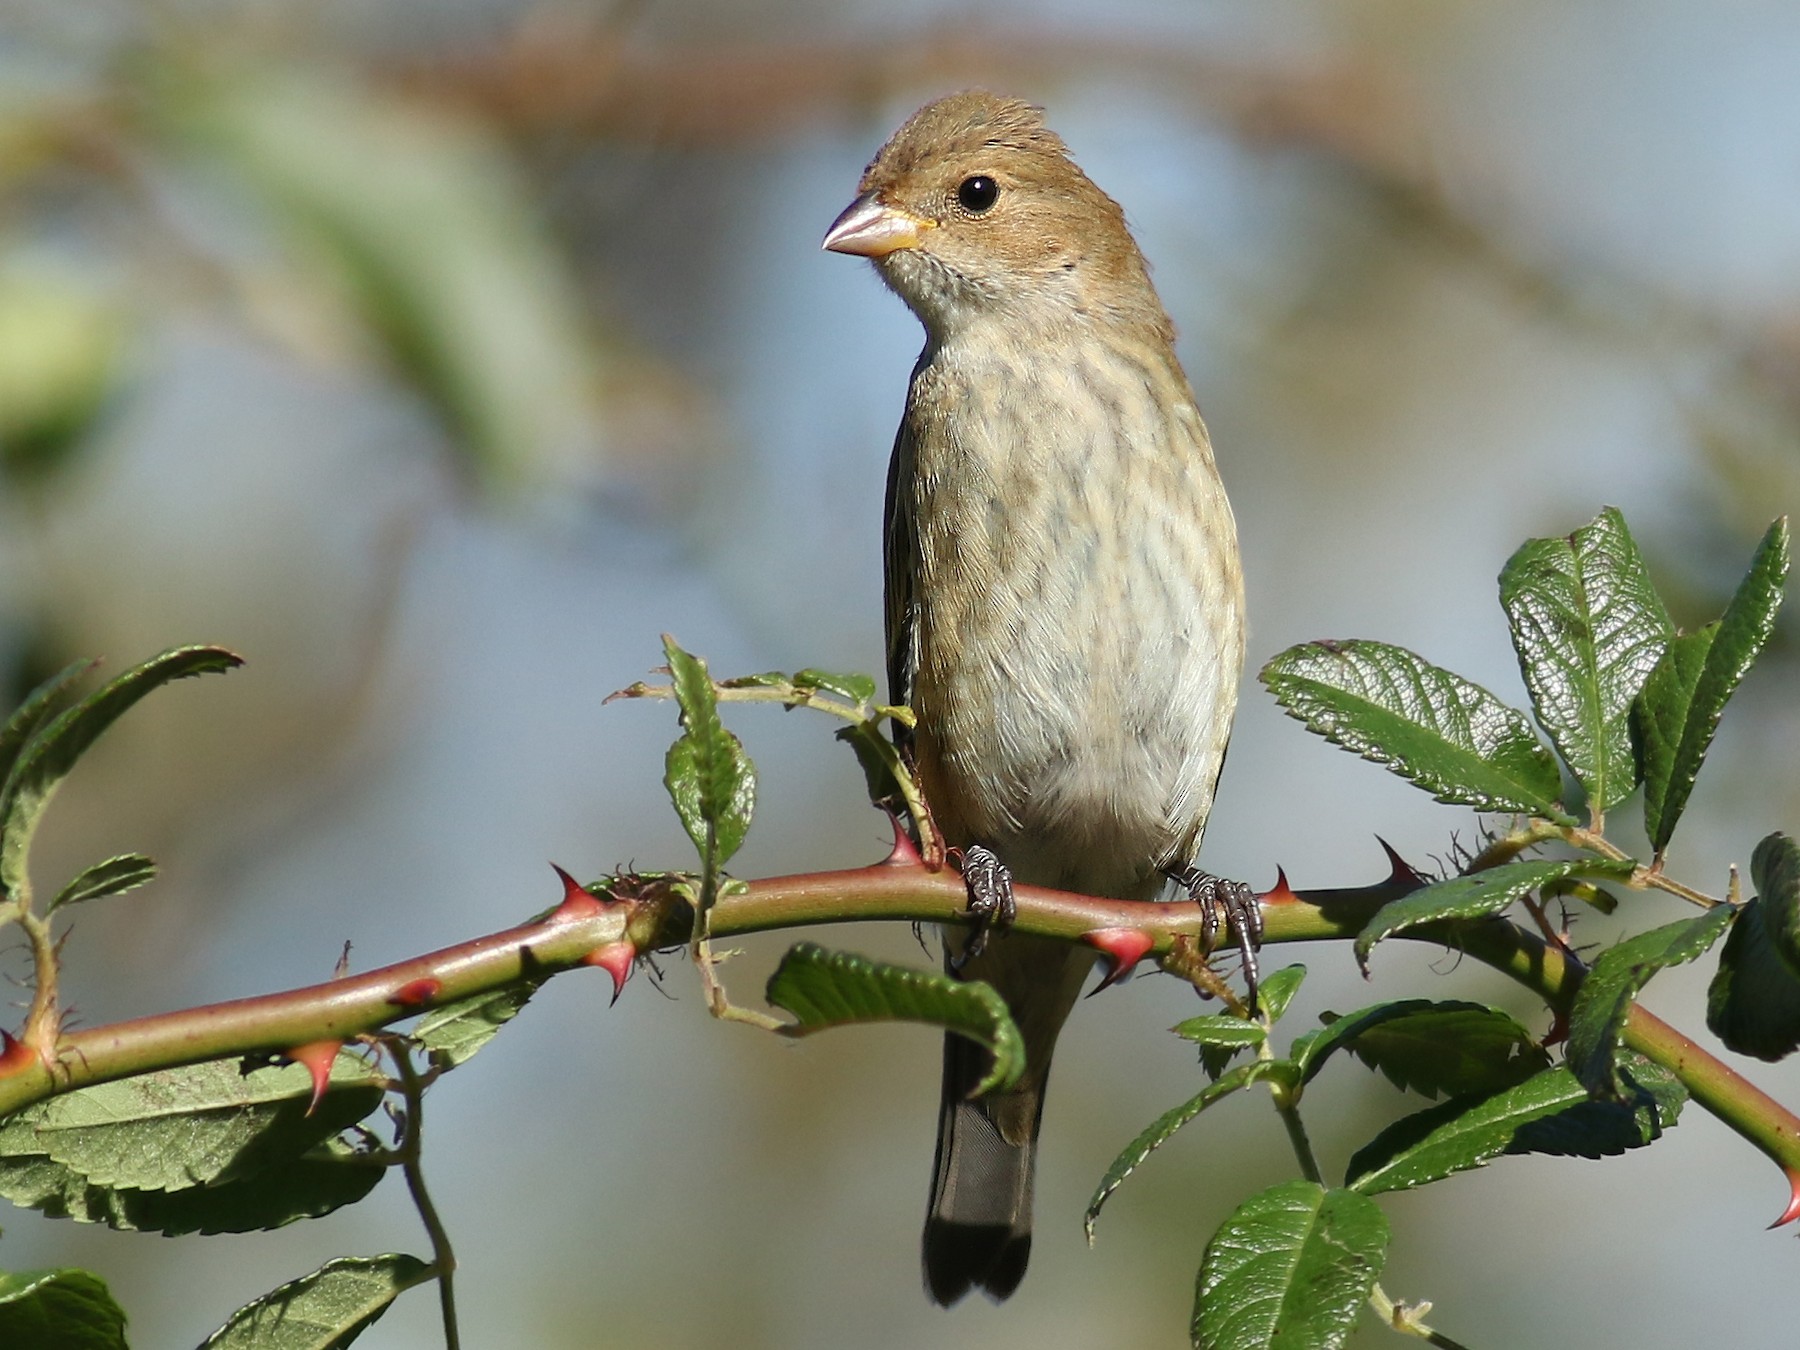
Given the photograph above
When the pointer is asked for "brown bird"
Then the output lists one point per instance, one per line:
(1065, 609)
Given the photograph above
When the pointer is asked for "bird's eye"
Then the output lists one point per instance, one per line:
(977, 193)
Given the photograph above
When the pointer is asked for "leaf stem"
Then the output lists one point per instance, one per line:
(412, 1166)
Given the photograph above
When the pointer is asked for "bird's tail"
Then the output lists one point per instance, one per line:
(978, 1229)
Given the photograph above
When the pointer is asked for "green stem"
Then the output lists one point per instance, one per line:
(412, 1165)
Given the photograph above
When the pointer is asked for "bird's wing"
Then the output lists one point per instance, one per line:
(900, 545)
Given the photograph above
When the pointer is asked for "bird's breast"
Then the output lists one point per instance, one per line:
(1079, 606)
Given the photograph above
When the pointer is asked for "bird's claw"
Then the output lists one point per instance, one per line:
(991, 903)
(1234, 900)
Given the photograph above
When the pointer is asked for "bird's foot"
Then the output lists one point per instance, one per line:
(991, 903)
(1237, 903)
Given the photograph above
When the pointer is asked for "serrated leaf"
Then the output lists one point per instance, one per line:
(1588, 628)
(1449, 1048)
(1550, 1112)
(1434, 728)
(1686, 694)
(1753, 1003)
(1290, 1270)
(855, 687)
(53, 750)
(1222, 1037)
(178, 1128)
(1597, 1017)
(39, 704)
(453, 1033)
(1475, 895)
(825, 989)
(1163, 1128)
(325, 1310)
(59, 1310)
(115, 876)
(1221, 1029)
(709, 777)
(1275, 991)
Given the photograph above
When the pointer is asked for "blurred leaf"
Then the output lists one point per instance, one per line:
(325, 1310)
(51, 752)
(1434, 728)
(177, 1128)
(1597, 1018)
(59, 1310)
(433, 232)
(1474, 896)
(1686, 694)
(1588, 627)
(1550, 1112)
(1753, 1003)
(115, 876)
(1450, 1048)
(1290, 1270)
(60, 349)
(1163, 1128)
(710, 779)
(453, 1033)
(825, 989)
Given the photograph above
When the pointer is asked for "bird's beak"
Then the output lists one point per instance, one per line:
(872, 229)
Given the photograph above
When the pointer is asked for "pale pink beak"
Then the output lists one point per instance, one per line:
(871, 229)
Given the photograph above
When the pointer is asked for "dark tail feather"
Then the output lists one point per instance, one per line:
(978, 1229)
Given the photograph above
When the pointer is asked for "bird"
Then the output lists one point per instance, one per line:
(1064, 599)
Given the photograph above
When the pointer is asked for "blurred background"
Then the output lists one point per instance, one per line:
(440, 356)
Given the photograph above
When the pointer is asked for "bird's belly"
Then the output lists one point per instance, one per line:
(1075, 716)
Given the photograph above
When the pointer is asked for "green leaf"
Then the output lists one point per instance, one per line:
(1753, 1004)
(1550, 1112)
(49, 755)
(1221, 1038)
(1775, 869)
(857, 688)
(1602, 1004)
(1588, 627)
(1450, 1048)
(1475, 895)
(177, 1128)
(1290, 1270)
(453, 1033)
(1436, 729)
(1686, 694)
(59, 1310)
(325, 1310)
(709, 777)
(115, 876)
(479, 311)
(34, 712)
(825, 989)
(1160, 1130)
(1277, 990)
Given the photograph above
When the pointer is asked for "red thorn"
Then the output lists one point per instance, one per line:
(1122, 947)
(414, 993)
(1792, 1211)
(1280, 893)
(577, 903)
(616, 959)
(15, 1055)
(1401, 873)
(316, 1057)
(905, 853)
